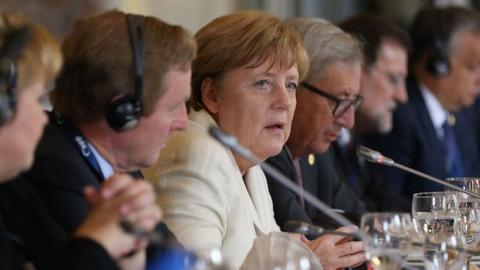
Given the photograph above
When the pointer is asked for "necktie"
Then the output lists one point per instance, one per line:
(453, 160)
(298, 172)
(351, 166)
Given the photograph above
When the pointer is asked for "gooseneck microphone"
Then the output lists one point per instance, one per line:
(152, 237)
(232, 143)
(310, 229)
(376, 157)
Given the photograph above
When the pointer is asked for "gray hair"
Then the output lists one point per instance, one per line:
(326, 44)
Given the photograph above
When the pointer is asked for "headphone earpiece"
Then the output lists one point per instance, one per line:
(14, 42)
(438, 63)
(7, 96)
(124, 113)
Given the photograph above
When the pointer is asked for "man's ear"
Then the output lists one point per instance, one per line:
(209, 95)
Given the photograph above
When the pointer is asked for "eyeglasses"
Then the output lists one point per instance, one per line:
(341, 104)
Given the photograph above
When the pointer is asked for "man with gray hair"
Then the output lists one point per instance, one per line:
(326, 102)
(430, 133)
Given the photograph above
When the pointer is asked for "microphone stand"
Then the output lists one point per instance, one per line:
(376, 157)
(306, 228)
(152, 237)
(231, 142)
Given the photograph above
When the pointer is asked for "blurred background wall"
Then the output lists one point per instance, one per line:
(58, 15)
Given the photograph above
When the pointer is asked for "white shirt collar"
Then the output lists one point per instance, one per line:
(437, 113)
(105, 166)
(345, 137)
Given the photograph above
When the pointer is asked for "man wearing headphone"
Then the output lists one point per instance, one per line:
(121, 92)
(430, 133)
(30, 238)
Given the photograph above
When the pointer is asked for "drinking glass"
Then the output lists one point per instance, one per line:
(445, 252)
(469, 210)
(436, 213)
(280, 251)
(388, 239)
(437, 220)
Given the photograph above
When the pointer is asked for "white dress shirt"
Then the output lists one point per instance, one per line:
(437, 113)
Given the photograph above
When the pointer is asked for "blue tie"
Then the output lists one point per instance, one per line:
(453, 160)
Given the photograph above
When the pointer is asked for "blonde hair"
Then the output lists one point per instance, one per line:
(237, 39)
(40, 59)
(325, 44)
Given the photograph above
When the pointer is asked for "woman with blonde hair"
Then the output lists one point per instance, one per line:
(245, 76)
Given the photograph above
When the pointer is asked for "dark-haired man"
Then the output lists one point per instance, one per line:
(385, 47)
(430, 133)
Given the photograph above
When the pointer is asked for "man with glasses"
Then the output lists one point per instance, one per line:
(431, 133)
(326, 103)
(385, 47)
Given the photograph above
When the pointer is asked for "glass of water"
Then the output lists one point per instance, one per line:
(445, 252)
(436, 213)
(388, 241)
(437, 220)
(469, 210)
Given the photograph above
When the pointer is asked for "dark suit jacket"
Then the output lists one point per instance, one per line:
(370, 187)
(414, 142)
(321, 180)
(60, 173)
(29, 234)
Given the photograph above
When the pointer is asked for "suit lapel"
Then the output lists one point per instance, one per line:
(430, 137)
(257, 194)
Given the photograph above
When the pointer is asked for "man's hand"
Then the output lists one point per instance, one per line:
(120, 198)
(337, 252)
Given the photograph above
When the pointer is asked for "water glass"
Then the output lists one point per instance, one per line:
(388, 239)
(436, 213)
(469, 210)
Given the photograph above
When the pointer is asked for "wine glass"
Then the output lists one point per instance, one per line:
(469, 209)
(445, 252)
(386, 246)
(435, 213)
(437, 220)
(212, 260)
(280, 251)
(175, 257)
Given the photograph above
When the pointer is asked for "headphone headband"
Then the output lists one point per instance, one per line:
(136, 26)
(124, 113)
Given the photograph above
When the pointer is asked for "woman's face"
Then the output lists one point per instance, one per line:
(20, 135)
(256, 105)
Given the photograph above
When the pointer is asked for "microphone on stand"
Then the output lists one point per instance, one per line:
(376, 157)
(316, 231)
(152, 237)
(232, 143)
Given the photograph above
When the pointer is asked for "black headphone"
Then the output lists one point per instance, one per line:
(13, 44)
(124, 113)
(438, 63)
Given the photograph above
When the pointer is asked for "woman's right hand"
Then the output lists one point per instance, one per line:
(119, 198)
(337, 252)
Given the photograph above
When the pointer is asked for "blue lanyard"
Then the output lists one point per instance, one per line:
(80, 143)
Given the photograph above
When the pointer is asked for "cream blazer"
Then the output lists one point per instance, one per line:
(205, 201)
